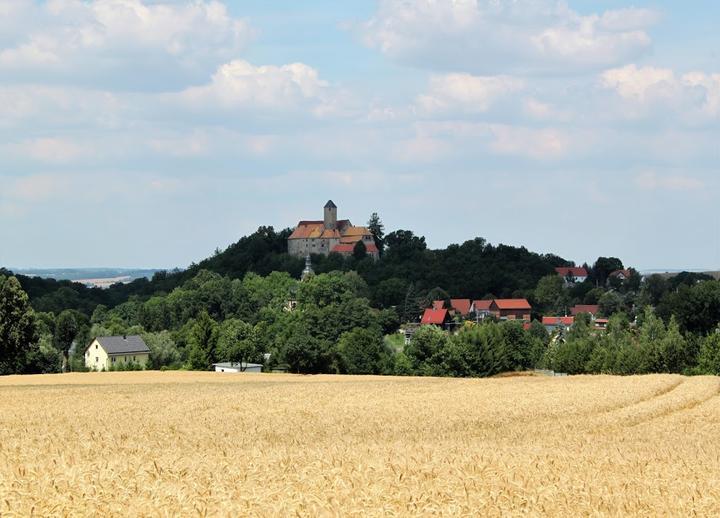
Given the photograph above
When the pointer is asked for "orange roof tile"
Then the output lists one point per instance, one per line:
(593, 309)
(512, 304)
(554, 321)
(482, 305)
(572, 270)
(434, 316)
(462, 306)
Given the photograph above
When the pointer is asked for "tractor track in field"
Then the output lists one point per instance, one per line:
(689, 405)
(654, 395)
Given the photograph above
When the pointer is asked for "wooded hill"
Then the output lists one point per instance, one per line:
(407, 268)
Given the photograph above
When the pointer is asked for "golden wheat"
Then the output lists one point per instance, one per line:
(168, 444)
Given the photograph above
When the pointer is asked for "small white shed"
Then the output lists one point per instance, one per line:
(237, 367)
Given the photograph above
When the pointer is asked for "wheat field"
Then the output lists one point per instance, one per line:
(207, 444)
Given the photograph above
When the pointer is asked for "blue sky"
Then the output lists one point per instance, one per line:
(144, 133)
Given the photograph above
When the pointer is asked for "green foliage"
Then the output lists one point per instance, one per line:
(709, 360)
(203, 342)
(377, 229)
(240, 342)
(425, 351)
(359, 251)
(610, 303)
(550, 295)
(362, 351)
(603, 267)
(18, 333)
(164, 351)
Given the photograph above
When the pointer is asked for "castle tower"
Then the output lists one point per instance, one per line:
(330, 218)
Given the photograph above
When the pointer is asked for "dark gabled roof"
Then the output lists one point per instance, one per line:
(122, 344)
(330, 205)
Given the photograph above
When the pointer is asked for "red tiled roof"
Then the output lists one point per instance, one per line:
(527, 326)
(434, 316)
(512, 304)
(462, 306)
(482, 305)
(574, 271)
(348, 248)
(554, 321)
(343, 248)
(593, 309)
(626, 273)
(316, 228)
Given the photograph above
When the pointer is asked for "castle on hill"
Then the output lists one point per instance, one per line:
(330, 235)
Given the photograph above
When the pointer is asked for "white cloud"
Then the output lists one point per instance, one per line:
(649, 90)
(541, 144)
(487, 36)
(241, 85)
(78, 40)
(651, 181)
(466, 92)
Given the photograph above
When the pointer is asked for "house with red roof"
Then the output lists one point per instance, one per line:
(458, 306)
(481, 309)
(435, 317)
(622, 275)
(572, 274)
(591, 309)
(330, 235)
(552, 324)
(511, 309)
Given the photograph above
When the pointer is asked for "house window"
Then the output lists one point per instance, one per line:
(113, 359)
(133, 358)
(97, 359)
(96, 346)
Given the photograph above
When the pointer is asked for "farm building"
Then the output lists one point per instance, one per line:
(237, 367)
(105, 352)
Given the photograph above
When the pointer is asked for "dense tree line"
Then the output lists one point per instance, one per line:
(235, 306)
(327, 324)
(407, 270)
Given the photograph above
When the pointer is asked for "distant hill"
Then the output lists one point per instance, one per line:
(84, 274)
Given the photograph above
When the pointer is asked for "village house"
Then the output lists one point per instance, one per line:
(105, 352)
(622, 275)
(590, 309)
(330, 235)
(458, 306)
(553, 324)
(436, 317)
(511, 309)
(572, 274)
(481, 308)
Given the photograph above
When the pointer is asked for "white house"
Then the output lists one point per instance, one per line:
(107, 351)
(237, 367)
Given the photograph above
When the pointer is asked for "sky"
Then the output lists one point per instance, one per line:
(144, 133)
